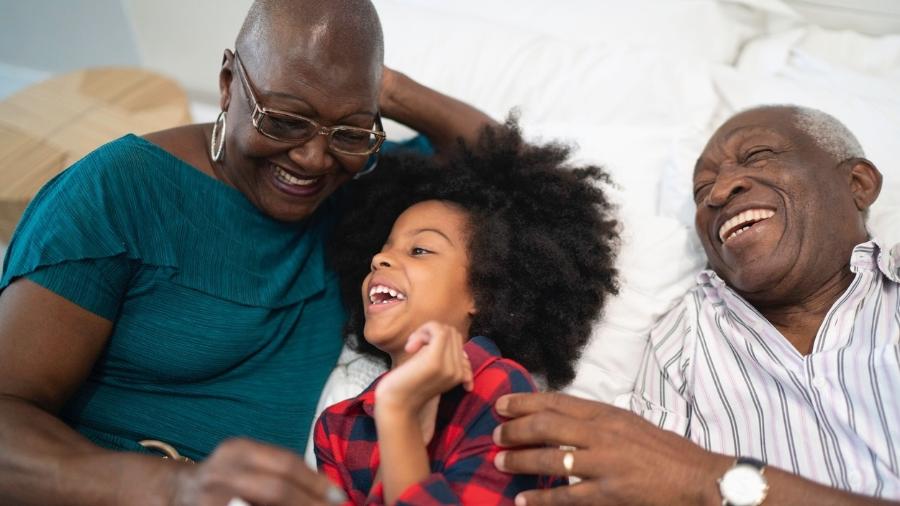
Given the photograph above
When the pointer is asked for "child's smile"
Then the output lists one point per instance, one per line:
(382, 294)
(420, 275)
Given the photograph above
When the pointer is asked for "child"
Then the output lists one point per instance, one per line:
(505, 243)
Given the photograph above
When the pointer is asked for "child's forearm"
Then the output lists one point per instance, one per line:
(404, 458)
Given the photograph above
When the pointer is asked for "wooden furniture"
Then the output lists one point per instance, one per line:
(50, 125)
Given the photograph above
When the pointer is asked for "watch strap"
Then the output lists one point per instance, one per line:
(759, 465)
(750, 461)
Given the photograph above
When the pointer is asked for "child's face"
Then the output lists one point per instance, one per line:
(425, 262)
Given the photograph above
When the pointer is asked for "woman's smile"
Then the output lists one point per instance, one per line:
(295, 185)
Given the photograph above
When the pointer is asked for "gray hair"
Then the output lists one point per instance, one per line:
(824, 129)
(828, 133)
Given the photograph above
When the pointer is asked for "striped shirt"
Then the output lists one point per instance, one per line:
(717, 372)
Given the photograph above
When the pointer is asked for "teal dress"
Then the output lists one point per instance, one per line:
(226, 322)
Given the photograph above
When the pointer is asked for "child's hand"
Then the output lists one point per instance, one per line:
(438, 363)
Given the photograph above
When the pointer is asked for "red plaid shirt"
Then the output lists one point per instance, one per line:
(461, 451)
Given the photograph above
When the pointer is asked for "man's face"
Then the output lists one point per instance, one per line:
(774, 212)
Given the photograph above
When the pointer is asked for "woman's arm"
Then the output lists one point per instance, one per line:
(48, 346)
(442, 119)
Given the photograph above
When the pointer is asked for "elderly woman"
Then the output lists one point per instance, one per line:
(174, 287)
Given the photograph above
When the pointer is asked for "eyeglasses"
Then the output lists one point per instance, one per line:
(289, 127)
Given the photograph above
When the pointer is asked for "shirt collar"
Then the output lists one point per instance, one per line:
(481, 351)
(872, 256)
(867, 256)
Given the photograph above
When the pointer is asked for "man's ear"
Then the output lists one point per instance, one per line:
(865, 182)
(226, 75)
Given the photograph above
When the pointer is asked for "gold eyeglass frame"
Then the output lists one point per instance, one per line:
(260, 111)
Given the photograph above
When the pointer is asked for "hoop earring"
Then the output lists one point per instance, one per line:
(217, 146)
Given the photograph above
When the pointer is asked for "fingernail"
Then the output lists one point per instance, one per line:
(335, 495)
(500, 461)
(502, 405)
(520, 500)
(496, 435)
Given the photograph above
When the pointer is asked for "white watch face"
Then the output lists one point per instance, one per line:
(743, 485)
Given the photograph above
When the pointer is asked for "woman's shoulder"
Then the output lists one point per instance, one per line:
(117, 168)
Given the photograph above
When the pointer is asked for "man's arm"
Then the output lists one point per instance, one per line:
(623, 459)
(442, 119)
(48, 346)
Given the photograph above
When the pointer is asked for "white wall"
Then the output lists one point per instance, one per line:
(62, 35)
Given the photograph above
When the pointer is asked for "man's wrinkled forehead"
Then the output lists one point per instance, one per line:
(771, 125)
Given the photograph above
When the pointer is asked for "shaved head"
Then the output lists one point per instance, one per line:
(337, 32)
(319, 60)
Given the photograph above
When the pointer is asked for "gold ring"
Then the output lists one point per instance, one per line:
(568, 462)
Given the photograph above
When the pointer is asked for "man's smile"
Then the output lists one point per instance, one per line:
(742, 222)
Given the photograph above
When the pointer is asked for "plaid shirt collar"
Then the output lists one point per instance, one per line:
(481, 351)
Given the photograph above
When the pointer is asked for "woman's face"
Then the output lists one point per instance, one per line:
(421, 274)
(288, 180)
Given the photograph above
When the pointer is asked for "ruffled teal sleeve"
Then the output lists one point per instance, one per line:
(95, 284)
(67, 243)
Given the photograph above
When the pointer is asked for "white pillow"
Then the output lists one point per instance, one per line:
(498, 67)
(637, 156)
(657, 264)
(353, 373)
(685, 27)
(884, 222)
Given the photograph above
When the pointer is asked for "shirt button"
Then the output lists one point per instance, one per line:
(820, 383)
(855, 479)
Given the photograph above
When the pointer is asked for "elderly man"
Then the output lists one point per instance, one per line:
(776, 378)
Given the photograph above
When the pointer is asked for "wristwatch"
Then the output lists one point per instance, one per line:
(744, 484)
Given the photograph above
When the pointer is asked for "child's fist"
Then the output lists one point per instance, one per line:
(436, 363)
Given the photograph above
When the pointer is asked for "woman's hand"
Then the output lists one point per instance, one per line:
(438, 363)
(255, 473)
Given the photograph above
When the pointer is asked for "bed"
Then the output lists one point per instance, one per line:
(638, 85)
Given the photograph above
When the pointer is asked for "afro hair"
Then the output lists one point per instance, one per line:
(542, 242)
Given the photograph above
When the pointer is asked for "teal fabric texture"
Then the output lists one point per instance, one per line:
(226, 322)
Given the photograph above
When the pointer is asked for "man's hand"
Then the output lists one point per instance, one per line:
(256, 473)
(438, 363)
(620, 458)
